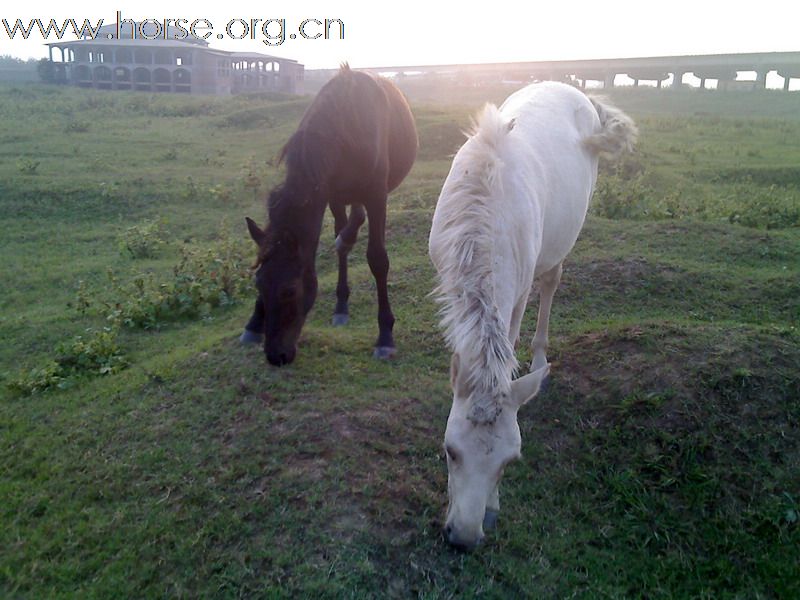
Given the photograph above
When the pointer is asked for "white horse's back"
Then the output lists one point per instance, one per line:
(552, 166)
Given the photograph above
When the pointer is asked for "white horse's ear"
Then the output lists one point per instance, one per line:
(458, 377)
(527, 386)
(455, 370)
(455, 362)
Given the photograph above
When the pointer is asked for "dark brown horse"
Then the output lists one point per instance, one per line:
(355, 144)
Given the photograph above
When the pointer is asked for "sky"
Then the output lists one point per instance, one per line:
(426, 32)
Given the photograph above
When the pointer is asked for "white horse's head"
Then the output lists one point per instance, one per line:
(477, 452)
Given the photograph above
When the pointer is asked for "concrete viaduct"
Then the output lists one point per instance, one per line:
(722, 67)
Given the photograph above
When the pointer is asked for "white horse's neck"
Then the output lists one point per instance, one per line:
(470, 267)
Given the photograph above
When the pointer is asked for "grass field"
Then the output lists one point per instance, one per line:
(158, 458)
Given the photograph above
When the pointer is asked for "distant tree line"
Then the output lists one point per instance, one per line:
(17, 69)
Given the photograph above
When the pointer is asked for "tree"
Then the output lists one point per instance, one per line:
(46, 70)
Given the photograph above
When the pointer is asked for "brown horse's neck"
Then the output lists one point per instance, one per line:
(301, 216)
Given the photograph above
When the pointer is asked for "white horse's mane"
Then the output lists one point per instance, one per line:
(473, 326)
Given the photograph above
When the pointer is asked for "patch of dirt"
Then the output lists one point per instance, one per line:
(620, 275)
(391, 445)
(673, 379)
(623, 363)
(307, 468)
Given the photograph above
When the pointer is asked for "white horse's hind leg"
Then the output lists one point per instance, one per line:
(516, 321)
(548, 283)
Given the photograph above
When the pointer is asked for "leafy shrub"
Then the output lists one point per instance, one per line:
(77, 127)
(143, 240)
(220, 193)
(27, 165)
(619, 197)
(269, 115)
(190, 192)
(250, 178)
(771, 208)
(95, 353)
(37, 379)
(205, 279)
(742, 201)
(761, 175)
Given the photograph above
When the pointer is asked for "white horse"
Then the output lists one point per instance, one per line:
(510, 211)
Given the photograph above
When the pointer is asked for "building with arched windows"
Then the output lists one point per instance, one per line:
(185, 65)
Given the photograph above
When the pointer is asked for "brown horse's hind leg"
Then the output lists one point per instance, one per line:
(346, 234)
(378, 261)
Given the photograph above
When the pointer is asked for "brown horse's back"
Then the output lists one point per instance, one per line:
(358, 126)
(403, 140)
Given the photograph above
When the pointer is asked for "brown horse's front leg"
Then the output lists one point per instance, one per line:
(346, 234)
(254, 330)
(378, 261)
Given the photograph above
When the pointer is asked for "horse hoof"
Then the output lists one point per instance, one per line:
(250, 337)
(384, 352)
(340, 319)
(490, 519)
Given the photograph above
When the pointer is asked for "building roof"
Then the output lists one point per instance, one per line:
(257, 55)
(142, 43)
(152, 29)
(129, 43)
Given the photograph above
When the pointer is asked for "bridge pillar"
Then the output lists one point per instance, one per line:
(608, 82)
(761, 80)
(678, 78)
(787, 75)
(702, 83)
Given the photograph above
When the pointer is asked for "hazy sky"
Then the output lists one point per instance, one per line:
(409, 32)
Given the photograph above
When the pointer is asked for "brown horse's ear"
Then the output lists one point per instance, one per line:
(259, 237)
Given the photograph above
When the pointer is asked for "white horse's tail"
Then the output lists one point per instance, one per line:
(618, 133)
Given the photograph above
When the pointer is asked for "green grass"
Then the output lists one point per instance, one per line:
(662, 461)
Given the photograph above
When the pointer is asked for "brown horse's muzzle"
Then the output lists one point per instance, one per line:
(280, 356)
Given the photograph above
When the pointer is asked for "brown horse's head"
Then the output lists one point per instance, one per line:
(287, 286)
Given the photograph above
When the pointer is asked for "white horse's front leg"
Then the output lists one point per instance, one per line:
(548, 283)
